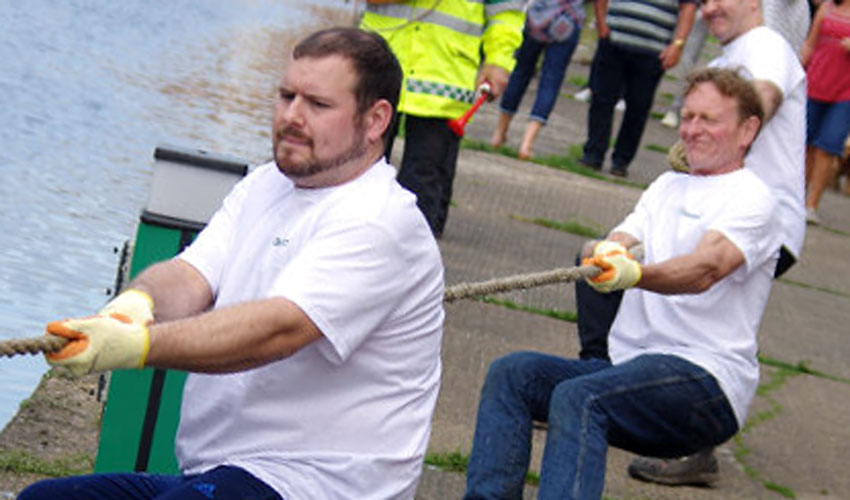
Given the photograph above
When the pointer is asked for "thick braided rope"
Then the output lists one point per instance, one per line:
(50, 343)
(34, 345)
(520, 281)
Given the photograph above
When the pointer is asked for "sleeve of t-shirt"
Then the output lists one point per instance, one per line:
(348, 279)
(774, 65)
(748, 221)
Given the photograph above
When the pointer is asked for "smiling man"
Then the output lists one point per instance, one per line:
(309, 310)
(683, 345)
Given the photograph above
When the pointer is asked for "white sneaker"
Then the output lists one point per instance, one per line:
(582, 95)
(621, 105)
(670, 120)
(812, 217)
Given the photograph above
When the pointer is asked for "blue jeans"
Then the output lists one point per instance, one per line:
(221, 483)
(556, 57)
(828, 124)
(634, 76)
(656, 405)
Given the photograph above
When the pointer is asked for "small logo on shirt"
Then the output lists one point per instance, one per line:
(692, 215)
(280, 241)
(206, 489)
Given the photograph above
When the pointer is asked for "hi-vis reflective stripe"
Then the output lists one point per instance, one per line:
(440, 89)
(410, 13)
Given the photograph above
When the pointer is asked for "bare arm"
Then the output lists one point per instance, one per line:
(672, 53)
(714, 258)
(600, 10)
(809, 45)
(177, 288)
(771, 97)
(234, 338)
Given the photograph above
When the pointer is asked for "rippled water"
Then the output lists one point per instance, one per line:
(88, 88)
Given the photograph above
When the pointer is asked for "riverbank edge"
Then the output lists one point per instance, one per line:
(54, 433)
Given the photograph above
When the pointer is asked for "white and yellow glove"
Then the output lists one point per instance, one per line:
(116, 338)
(620, 270)
(677, 158)
(135, 304)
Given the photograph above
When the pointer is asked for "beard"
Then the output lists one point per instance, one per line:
(312, 166)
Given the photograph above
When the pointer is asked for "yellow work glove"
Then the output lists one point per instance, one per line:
(135, 304)
(619, 269)
(116, 338)
(677, 158)
(100, 343)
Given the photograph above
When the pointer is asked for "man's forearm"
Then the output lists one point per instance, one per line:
(234, 338)
(178, 290)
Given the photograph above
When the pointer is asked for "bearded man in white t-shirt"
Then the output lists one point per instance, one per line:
(683, 367)
(308, 311)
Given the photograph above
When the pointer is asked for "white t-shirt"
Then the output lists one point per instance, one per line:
(347, 416)
(715, 329)
(778, 155)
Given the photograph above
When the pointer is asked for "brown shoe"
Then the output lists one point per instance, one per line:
(698, 469)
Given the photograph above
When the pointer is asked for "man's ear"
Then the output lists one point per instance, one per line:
(750, 128)
(377, 119)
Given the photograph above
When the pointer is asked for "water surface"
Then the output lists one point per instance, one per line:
(88, 88)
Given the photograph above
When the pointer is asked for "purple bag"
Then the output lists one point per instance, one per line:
(547, 21)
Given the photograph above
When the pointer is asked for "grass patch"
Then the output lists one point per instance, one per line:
(569, 226)
(24, 463)
(801, 368)
(570, 316)
(834, 230)
(567, 162)
(456, 461)
(813, 287)
(578, 80)
(657, 148)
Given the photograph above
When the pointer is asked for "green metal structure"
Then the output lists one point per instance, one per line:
(143, 406)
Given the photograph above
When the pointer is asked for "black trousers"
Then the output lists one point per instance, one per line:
(428, 166)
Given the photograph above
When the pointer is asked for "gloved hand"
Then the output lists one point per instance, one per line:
(677, 158)
(135, 304)
(619, 269)
(99, 343)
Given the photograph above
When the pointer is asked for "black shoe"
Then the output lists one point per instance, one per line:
(619, 171)
(594, 165)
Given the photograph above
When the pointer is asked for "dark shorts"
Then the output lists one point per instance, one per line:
(828, 124)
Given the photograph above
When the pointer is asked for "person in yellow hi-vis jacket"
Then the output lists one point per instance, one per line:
(446, 48)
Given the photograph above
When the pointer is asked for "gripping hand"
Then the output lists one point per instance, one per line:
(116, 338)
(619, 269)
(135, 304)
(100, 343)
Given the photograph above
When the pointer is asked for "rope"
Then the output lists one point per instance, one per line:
(34, 345)
(519, 281)
(51, 343)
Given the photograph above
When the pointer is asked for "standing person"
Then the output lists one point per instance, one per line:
(638, 41)
(777, 157)
(826, 55)
(683, 346)
(447, 49)
(309, 310)
(690, 56)
(552, 27)
(789, 18)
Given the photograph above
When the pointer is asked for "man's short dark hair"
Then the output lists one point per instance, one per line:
(730, 83)
(378, 71)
